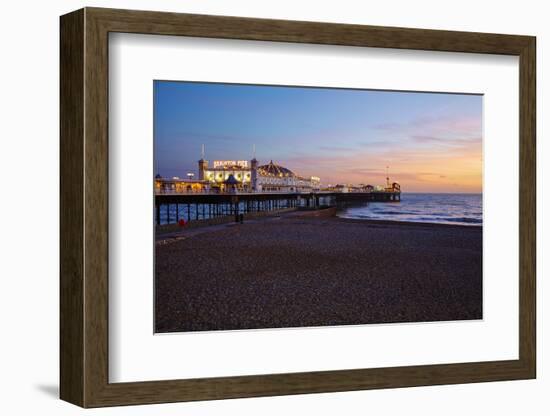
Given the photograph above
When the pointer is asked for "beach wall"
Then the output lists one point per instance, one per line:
(165, 228)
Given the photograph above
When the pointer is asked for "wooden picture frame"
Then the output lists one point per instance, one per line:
(84, 207)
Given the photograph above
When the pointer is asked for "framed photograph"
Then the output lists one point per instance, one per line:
(255, 207)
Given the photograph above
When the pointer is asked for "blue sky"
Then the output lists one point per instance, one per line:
(431, 142)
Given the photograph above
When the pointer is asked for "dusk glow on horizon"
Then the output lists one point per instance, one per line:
(432, 142)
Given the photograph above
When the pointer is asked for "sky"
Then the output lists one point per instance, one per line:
(430, 142)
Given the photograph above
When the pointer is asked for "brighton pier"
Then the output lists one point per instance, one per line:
(242, 189)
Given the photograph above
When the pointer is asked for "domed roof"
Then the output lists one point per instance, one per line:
(271, 169)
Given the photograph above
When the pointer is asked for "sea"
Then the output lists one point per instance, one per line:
(462, 209)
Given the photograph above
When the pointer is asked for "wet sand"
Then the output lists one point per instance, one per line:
(295, 272)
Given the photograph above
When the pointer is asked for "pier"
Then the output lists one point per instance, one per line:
(194, 206)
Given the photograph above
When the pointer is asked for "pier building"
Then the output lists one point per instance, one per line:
(250, 176)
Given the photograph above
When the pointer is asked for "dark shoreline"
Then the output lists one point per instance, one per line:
(296, 271)
(175, 230)
(409, 223)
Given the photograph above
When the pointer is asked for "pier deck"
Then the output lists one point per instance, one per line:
(212, 198)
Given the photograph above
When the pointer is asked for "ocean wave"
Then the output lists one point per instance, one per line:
(442, 208)
(440, 220)
(466, 219)
(382, 212)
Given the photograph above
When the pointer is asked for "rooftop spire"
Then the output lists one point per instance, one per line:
(202, 151)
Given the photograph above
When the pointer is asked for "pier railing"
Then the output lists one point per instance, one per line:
(248, 192)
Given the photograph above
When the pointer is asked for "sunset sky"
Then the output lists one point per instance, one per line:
(431, 142)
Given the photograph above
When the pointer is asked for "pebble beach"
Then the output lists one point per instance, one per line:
(301, 272)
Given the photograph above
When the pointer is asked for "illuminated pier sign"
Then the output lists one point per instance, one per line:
(230, 163)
